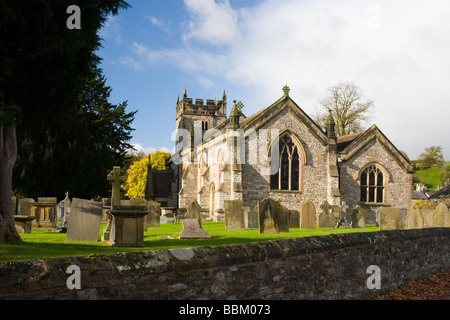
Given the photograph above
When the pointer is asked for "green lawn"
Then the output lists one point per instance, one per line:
(44, 244)
(430, 177)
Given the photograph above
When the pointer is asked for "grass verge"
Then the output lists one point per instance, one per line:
(47, 244)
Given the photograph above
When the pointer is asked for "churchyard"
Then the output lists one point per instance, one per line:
(48, 243)
(76, 227)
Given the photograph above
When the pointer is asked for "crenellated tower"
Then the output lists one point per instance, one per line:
(209, 115)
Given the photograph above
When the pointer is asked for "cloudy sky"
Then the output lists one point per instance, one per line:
(397, 52)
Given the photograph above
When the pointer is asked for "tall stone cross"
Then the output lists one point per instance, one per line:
(116, 179)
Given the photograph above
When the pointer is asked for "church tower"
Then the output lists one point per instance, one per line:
(208, 116)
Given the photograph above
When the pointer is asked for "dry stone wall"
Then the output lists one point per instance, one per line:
(321, 267)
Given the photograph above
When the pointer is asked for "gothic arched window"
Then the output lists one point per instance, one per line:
(289, 174)
(372, 184)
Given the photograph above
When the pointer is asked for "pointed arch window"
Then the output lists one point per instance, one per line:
(372, 184)
(289, 174)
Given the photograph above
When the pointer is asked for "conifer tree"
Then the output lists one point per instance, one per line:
(44, 66)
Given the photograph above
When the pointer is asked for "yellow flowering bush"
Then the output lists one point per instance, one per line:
(137, 178)
(137, 173)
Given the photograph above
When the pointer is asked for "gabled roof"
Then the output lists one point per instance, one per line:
(445, 191)
(350, 145)
(260, 118)
(344, 141)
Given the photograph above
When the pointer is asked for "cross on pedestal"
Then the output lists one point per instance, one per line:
(344, 207)
(116, 179)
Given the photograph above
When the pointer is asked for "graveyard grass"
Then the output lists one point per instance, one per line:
(41, 243)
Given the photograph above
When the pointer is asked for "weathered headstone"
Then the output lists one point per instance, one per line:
(115, 177)
(327, 217)
(154, 215)
(127, 229)
(283, 218)
(24, 222)
(272, 217)
(414, 218)
(294, 219)
(308, 216)
(441, 216)
(85, 219)
(390, 219)
(192, 229)
(267, 211)
(251, 218)
(234, 215)
(26, 206)
(358, 220)
(427, 214)
(46, 211)
(194, 211)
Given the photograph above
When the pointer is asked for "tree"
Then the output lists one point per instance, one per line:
(42, 67)
(137, 173)
(432, 156)
(349, 107)
(76, 152)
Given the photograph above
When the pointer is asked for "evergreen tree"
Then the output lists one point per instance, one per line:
(44, 66)
(76, 152)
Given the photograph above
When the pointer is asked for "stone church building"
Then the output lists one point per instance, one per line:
(281, 153)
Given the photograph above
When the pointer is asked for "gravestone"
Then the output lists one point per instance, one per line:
(327, 218)
(308, 216)
(192, 229)
(85, 219)
(115, 177)
(441, 218)
(414, 218)
(194, 211)
(234, 215)
(294, 219)
(154, 215)
(390, 219)
(64, 213)
(358, 220)
(127, 228)
(26, 206)
(283, 218)
(273, 217)
(46, 211)
(427, 214)
(251, 218)
(24, 222)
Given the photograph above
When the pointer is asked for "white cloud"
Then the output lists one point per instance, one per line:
(112, 29)
(155, 21)
(211, 21)
(396, 51)
(147, 150)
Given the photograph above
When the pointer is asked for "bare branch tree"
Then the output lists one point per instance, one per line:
(349, 107)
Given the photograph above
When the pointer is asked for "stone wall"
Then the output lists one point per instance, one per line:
(314, 179)
(321, 267)
(398, 188)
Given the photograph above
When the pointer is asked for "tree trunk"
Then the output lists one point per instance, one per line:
(8, 154)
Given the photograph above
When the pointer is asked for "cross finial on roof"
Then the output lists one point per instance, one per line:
(286, 91)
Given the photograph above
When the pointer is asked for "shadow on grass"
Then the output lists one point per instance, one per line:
(42, 244)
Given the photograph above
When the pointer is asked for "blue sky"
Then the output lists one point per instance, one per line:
(397, 52)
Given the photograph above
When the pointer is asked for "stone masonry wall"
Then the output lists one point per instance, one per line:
(398, 189)
(321, 267)
(314, 180)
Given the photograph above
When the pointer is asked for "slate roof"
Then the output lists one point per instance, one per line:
(445, 191)
(344, 141)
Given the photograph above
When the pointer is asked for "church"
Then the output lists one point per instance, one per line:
(281, 153)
